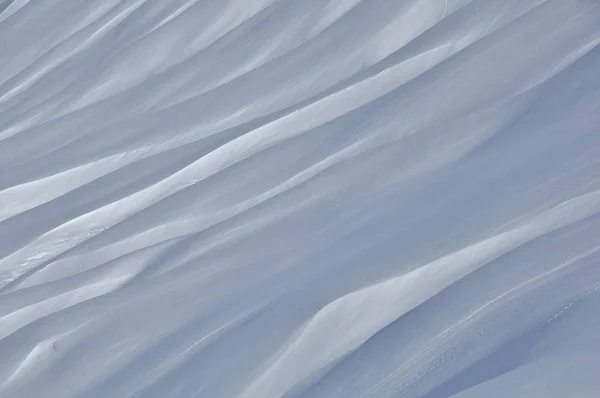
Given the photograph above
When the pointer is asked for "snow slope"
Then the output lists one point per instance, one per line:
(284, 198)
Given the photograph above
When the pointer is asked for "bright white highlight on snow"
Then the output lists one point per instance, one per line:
(283, 198)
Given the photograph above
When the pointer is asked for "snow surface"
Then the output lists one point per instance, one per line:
(287, 198)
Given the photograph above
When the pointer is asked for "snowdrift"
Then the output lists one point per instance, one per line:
(283, 198)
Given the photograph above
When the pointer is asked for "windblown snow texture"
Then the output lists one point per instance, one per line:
(286, 198)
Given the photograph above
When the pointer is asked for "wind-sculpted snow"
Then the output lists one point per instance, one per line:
(282, 198)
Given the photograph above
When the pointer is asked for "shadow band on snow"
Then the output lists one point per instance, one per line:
(4, 5)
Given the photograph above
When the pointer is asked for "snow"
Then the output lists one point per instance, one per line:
(281, 198)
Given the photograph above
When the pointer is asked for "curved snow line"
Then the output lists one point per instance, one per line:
(38, 192)
(12, 8)
(32, 261)
(445, 10)
(24, 316)
(357, 316)
(438, 340)
(24, 82)
(39, 356)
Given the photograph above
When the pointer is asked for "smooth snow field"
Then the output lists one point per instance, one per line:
(299, 198)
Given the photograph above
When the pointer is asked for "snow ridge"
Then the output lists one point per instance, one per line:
(257, 199)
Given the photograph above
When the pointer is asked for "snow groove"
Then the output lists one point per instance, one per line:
(254, 198)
